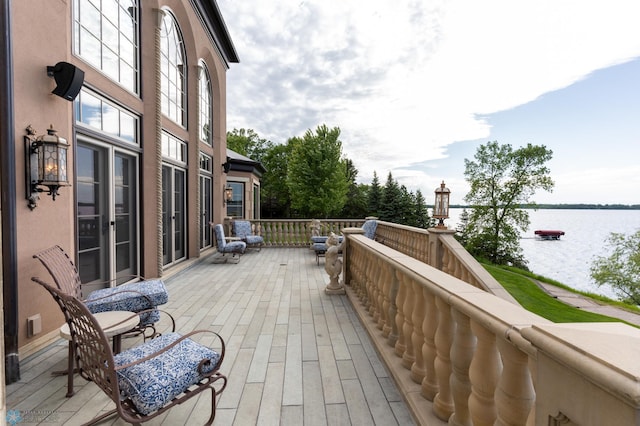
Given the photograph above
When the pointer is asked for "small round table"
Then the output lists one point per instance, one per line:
(113, 323)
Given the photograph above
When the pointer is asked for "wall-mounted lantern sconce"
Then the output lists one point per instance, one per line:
(45, 164)
(226, 166)
(441, 206)
(228, 194)
(69, 79)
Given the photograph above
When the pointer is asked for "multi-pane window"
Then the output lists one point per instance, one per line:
(204, 103)
(106, 117)
(173, 148)
(235, 206)
(206, 162)
(172, 70)
(105, 34)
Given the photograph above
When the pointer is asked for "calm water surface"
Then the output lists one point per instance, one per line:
(569, 259)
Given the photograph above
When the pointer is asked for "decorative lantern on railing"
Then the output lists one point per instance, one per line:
(46, 164)
(441, 206)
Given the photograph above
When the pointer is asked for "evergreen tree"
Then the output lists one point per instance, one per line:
(356, 204)
(374, 197)
(391, 200)
(421, 212)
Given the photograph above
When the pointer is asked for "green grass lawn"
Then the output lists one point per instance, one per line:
(522, 287)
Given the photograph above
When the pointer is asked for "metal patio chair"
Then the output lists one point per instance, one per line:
(142, 297)
(146, 380)
(243, 230)
(225, 247)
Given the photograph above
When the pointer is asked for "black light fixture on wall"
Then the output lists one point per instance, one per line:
(45, 164)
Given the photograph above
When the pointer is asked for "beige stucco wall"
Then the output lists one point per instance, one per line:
(41, 37)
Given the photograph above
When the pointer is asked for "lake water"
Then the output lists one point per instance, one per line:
(569, 259)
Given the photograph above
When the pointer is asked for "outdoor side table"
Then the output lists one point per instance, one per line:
(113, 323)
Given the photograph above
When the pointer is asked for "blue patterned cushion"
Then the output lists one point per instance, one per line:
(369, 228)
(235, 247)
(321, 247)
(154, 383)
(132, 297)
(319, 239)
(242, 228)
(254, 239)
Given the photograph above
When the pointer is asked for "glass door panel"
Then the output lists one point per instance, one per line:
(173, 214)
(93, 221)
(126, 252)
(205, 211)
(179, 214)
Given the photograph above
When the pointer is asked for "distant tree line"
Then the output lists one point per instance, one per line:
(309, 177)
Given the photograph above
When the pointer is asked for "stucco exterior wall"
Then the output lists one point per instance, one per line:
(42, 36)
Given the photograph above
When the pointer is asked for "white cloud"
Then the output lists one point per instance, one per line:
(405, 79)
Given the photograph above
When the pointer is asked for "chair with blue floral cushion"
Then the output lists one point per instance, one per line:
(243, 230)
(146, 380)
(369, 228)
(142, 297)
(225, 247)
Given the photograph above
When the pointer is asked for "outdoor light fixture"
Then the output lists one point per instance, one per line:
(441, 206)
(226, 166)
(45, 164)
(228, 193)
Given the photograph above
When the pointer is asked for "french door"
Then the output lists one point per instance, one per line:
(205, 211)
(107, 214)
(174, 236)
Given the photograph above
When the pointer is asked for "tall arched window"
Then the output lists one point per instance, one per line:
(172, 70)
(205, 123)
(105, 34)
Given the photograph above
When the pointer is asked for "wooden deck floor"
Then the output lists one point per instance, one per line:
(294, 354)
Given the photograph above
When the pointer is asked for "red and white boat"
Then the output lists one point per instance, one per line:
(548, 234)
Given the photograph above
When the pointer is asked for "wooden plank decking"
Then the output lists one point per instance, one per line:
(294, 354)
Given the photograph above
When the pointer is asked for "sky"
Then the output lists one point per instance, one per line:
(416, 86)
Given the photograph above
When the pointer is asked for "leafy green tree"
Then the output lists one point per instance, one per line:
(316, 177)
(621, 268)
(248, 143)
(275, 197)
(374, 197)
(501, 180)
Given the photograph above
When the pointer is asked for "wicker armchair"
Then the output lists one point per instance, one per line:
(147, 380)
(142, 297)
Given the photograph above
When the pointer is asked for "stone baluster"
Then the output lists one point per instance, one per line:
(400, 346)
(484, 373)
(386, 302)
(383, 297)
(393, 311)
(429, 387)
(464, 343)
(443, 402)
(417, 338)
(515, 394)
(408, 356)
